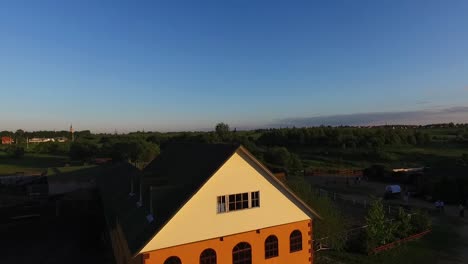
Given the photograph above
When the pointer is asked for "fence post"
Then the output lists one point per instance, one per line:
(389, 210)
(365, 203)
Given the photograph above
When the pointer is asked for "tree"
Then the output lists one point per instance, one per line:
(82, 150)
(403, 226)
(295, 163)
(222, 130)
(134, 151)
(19, 134)
(278, 156)
(15, 151)
(331, 225)
(420, 222)
(379, 230)
(148, 151)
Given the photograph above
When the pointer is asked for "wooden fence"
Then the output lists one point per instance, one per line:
(364, 203)
(398, 242)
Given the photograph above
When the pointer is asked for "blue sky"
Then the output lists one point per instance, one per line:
(186, 65)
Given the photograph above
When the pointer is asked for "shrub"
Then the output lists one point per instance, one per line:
(420, 222)
(82, 150)
(15, 151)
(278, 156)
(332, 225)
(402, 223)
(379, 230)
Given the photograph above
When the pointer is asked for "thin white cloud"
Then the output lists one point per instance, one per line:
(457, 114)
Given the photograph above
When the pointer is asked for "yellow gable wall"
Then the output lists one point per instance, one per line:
(198, 218)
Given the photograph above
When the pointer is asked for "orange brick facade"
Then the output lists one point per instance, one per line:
(190, 253)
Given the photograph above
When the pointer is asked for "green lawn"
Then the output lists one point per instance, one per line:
(30, 163)
(444, 243)
(436, 155)
(39, 163)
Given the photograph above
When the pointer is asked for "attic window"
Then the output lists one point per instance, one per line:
(221, 204)
(255, 199)
(238, 201)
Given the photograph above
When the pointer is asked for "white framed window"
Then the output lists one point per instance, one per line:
(255, 199)
(238, 201)
(221, 204)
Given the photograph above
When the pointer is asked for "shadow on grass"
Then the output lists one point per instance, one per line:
(76, 174)
(30, 162)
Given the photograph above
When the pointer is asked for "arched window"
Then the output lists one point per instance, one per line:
(208, 256)
(271, 247)
(173, 260)
(242, 254)
(295, 241)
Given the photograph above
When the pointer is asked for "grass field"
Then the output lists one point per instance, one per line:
(30, 163)
(436, 155)
(441, 246)
(33, 163)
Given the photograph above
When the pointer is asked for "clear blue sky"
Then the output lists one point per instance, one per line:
(133, 65)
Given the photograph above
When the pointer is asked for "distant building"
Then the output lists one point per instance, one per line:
(40, 140)
(45, 140)
(205, 203)
(61, 139)
(7, 140)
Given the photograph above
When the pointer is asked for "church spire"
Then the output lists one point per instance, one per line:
(72, 133)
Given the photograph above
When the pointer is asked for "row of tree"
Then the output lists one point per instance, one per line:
(344, 137)
(119, 149)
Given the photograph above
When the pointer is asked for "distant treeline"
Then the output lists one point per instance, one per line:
(21, 134)
(333, 137)
(260, 141)
(345, 137)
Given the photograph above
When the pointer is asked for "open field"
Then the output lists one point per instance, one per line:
(35, 163)
(31, 163)
(436, 155)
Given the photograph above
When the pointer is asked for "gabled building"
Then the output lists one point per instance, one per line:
(205, 203)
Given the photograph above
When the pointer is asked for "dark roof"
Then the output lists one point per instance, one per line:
(120, 208)
(173, 177)
(179, 172)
